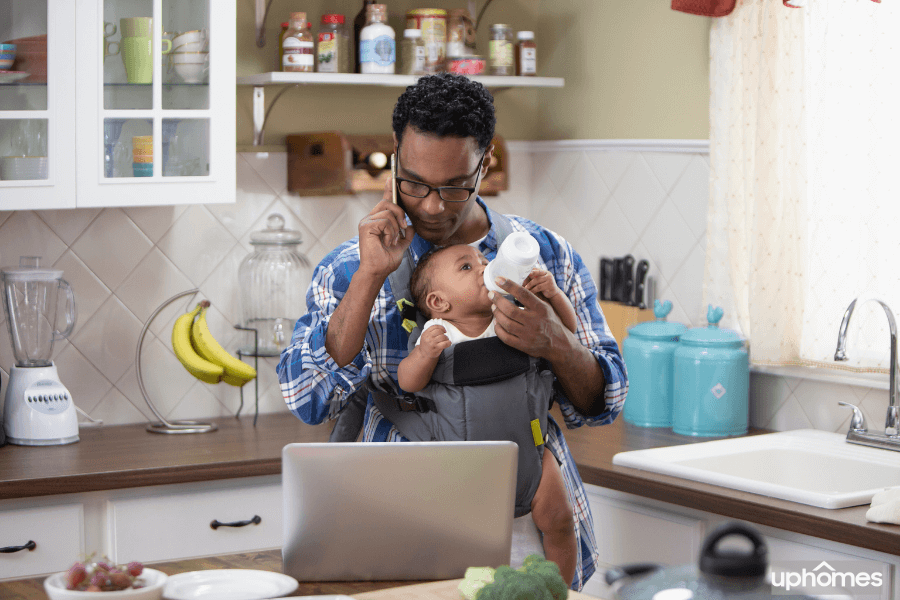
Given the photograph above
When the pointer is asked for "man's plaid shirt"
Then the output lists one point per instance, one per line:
(316, 389)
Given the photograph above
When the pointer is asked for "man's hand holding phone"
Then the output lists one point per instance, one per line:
(384, 234)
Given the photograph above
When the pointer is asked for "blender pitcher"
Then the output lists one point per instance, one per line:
(30, 295)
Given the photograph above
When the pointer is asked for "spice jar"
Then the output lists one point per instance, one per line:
(526, 54)
(460, 33)
(273, 282)
(433, 24)
(377, 49)
(501, 50)
(333, 49)
(412, 53)
(298, 46)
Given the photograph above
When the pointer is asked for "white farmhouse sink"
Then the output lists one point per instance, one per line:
(811, 467)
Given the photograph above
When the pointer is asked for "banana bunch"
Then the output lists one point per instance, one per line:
(202, 355)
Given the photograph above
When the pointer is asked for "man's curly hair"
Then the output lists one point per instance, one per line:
(447, 105)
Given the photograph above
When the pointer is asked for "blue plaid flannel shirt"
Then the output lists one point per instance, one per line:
(315, 388)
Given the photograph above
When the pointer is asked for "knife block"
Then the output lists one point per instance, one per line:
(333, 163)
(620, 317)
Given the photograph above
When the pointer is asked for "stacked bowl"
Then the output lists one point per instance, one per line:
(7, 56)
(142, 151)
(190, 56)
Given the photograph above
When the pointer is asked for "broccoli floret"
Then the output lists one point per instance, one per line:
(538, 579)
(549, 572)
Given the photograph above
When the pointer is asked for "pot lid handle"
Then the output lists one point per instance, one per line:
(730, 563)
(628, 571)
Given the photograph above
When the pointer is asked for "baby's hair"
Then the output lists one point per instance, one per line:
(420, 282)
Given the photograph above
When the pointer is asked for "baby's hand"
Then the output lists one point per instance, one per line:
(434, 340)
(541, 282)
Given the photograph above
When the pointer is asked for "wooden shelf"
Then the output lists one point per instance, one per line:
(281, 78)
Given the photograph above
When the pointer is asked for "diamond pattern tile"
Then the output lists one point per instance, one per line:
(154, 221)
(153, 281)
(196, 243)
(639, 194)
(89, 291)
(25, 234)
(819, 401)
(68, 224)
(109, 338)
(667, 166)
(112, 246)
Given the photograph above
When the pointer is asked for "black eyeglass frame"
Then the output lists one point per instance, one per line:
(470, 190)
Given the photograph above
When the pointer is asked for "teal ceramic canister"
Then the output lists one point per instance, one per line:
(712, 381)
(649, 352)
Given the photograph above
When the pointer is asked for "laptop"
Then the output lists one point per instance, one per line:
(396, 510)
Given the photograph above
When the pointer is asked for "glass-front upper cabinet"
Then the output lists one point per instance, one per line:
(37, 114)
(151, 103)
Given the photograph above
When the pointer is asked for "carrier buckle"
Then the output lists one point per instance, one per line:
(410, 402)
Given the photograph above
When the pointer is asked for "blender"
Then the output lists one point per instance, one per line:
(38, 409)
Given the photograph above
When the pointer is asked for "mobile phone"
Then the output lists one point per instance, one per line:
(393, 180)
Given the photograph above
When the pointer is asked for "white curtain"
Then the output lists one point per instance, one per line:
(804, 195)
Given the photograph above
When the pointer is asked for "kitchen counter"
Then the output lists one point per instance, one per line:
(270, 560)
(128, 456)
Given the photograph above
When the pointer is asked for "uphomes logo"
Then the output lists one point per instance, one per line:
(857, 579)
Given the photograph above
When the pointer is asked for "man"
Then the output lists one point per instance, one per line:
(443, 127)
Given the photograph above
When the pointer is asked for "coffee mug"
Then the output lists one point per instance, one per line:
(137, 54)
(136, 27)
(193, 37)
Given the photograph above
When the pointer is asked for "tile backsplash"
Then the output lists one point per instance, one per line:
(606, 198)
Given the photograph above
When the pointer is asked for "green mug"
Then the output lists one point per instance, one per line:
(137, 54)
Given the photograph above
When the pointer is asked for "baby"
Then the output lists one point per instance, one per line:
(448, 288)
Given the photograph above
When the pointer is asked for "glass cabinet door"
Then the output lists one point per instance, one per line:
(36, 115)
(156, 88)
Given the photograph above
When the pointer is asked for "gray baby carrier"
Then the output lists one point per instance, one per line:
(480, 390)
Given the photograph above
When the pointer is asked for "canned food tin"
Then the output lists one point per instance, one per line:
(433, 23)
(466, 65)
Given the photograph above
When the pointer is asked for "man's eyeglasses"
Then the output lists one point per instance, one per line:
(448, 193)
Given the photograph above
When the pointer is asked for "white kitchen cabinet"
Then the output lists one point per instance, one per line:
(631, 529)
(85, 112)
(146, 524)
(57, 532)
(163, 527)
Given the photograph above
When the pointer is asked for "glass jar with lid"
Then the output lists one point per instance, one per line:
(502, 50)
(273, 282)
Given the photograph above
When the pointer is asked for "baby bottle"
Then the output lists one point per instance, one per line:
(516, 257)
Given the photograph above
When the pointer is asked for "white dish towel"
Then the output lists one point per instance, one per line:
(885, 507)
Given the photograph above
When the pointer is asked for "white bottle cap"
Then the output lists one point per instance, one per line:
(525, 35)
(520, 248)
(412, 33)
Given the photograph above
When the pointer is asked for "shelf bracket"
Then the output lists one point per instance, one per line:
(262, 11)
(261, 113)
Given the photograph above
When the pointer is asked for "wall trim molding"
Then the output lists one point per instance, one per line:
(679, 146)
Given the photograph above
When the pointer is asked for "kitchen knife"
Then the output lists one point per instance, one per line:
(615, 293)
(626, 293)
(607, 277)
(639, 280)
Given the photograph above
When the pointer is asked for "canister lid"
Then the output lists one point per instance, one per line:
(275, 233)
(660, 328)
(711, 334)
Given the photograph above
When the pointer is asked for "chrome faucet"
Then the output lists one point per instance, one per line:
(858, 433)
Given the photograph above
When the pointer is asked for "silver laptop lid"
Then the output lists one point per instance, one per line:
(396, 510)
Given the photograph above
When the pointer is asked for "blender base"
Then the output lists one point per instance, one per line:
(38, 410)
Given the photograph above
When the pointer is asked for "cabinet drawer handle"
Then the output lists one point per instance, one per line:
(10, 549)
(254, 521)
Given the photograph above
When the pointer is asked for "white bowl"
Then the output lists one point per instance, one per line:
(197, 46)
(23, 167)
(197, 35)
(55, 586)
(189, 58)
(190, 72)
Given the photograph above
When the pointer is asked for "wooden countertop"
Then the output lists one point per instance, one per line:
(270, 560)
(129, 456)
